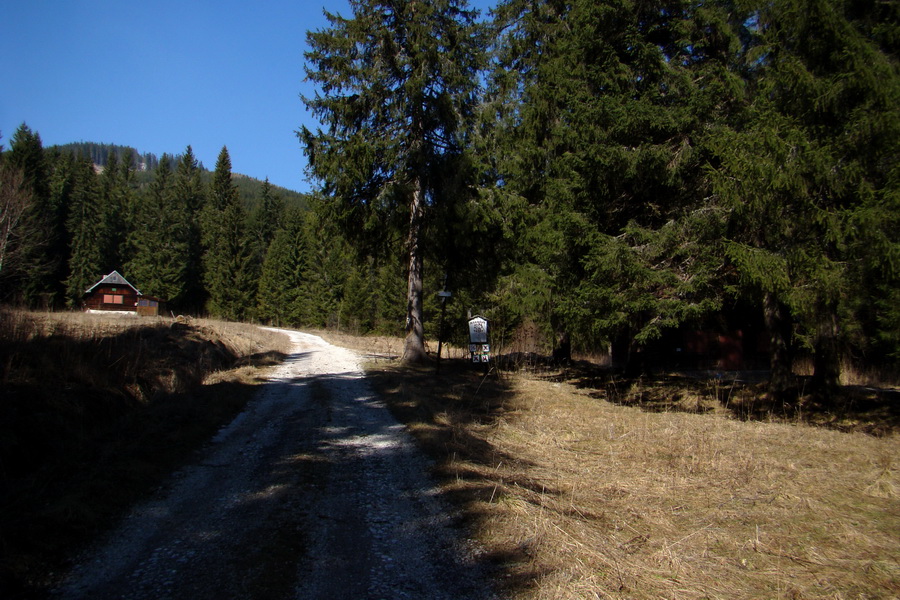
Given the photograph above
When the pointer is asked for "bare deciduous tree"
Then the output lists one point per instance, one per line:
(15, 203)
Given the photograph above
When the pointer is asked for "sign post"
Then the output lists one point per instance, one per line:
(444, 296)
(479, 345)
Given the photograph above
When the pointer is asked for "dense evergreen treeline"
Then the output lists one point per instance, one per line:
(192, 238)
(627, 170)
(608, 172)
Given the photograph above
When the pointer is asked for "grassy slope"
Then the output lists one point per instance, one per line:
(95, 412)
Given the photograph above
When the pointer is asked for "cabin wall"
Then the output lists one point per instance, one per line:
(112, 297)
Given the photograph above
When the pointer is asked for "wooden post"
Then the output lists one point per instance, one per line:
(445, 295)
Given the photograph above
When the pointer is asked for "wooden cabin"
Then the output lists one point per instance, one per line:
(113, 293)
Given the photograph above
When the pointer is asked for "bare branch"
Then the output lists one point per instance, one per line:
(15, 201)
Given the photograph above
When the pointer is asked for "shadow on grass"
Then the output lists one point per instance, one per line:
(740, 395)
(444, 411)
(450, 412)
(440, 406)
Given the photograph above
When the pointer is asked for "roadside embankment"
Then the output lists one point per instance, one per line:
(95, 411)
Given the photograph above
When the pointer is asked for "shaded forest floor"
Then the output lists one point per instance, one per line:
(872, 407)
(856, 408)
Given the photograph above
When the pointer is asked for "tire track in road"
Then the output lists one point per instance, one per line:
(313, 492)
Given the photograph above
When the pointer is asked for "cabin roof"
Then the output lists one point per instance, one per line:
(113, 278)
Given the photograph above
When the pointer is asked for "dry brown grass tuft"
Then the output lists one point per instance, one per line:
(59, 348)
(579, 498)
(372, 346)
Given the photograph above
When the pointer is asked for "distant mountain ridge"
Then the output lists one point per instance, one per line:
(249, 187)
(100, 153)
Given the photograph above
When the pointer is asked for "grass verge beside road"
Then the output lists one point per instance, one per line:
(577, 497)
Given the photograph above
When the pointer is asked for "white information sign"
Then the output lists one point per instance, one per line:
(478, 330)
(479, 347)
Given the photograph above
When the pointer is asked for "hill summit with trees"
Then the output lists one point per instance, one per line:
(100, 154)
(143, 164)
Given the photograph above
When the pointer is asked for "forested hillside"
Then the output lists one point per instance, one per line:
(612, 173)
(143, 165)
(66, 225)
(100, 153)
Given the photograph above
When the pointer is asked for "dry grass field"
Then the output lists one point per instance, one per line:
(577, 497)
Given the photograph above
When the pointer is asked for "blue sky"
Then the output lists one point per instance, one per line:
(161, 75)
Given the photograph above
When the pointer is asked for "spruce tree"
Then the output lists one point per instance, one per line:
(281, 293)
(18, 231)
(85, 225)
(21, 233)
(227, 252)
(26, 152)
(329, 263)
(268, 216)
(599, 113)
(159, 241)
(812, 159)
(116, 205)
(357, 312)
(44, 264)
(389, 297)
(188, 195)
(265, 223)
(397, 85)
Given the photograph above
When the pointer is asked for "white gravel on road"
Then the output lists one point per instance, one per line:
(313, 492)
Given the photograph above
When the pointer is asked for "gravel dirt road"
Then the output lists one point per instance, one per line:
(313, 492)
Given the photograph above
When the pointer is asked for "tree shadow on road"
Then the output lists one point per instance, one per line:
(444, 410)
(88, 426)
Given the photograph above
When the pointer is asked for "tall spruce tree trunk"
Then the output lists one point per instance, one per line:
(778, 325)
(414, 347)
(827, 364)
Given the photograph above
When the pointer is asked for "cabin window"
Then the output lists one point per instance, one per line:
(113, 299)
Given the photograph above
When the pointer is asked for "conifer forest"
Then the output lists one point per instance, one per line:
(616, 173)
